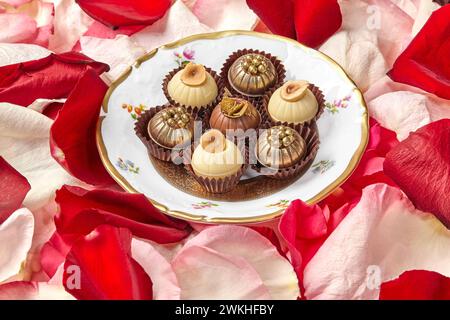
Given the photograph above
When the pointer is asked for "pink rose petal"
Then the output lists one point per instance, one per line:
(16, 234)
(359, 54)
(204, 273)
(401, 111)
(382, 237)
(124, 54)
(223, 14)
(234, 246)
(179, 22)
(24, 143)
(23, 290)
(12, 53)
(389, 23)
(17, 28)
(70, 23)
(165, 283)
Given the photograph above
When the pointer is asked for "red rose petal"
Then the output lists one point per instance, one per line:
(270, 235)
(316, 20)
(53, 253)
(81, 211)
(425, 63)
(116, 13)
(417, 285)
(278, 16)
(369, 170)
(16, 290)
(420, 165)
(72, 135)
(106, 268)
(13, 189)
(300, 226)
(52, 77)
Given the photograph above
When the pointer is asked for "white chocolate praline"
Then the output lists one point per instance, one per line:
(219, 164)
(192, 96)
(302, 110)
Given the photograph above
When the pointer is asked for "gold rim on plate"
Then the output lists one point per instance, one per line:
(232, 220)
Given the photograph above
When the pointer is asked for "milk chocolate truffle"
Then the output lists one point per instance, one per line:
(252, 74)
(280, 147)
(216, 157)
(293, 103)
(193, 86)
(233, 114)
(171, 128)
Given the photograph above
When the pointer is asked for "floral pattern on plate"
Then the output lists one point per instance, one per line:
(127, 165)
(334, 107)
(323, 166)
(204, 205)
(134, 112)
(184, 58)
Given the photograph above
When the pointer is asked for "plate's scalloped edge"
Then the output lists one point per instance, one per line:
(353, 163)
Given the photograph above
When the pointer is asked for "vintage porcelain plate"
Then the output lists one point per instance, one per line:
(343, 127)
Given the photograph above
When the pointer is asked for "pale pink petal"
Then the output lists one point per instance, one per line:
(205, 274)
(223, 14)
(12, 53)
(39, 105)
(123, 55)
(16, 27)
(275, 271)
(16, 3)
(179, 22)
(24, 143)
(69, 25)
(358, 53)
(426, 8)
(40, 11)
(42, 14)
(437, 107)
(400, 111)
(16, 234)
(382, 237)
(21, 290)
(384, 19)
(165, 283)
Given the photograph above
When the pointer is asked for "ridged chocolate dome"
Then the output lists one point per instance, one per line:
(280, 147)
(252, 74)
(171, 128)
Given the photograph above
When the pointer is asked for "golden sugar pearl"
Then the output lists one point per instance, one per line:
(259, 57)
(185, 118)
(255, 62)
(165, 115)
(281, 135)
(180, 110)
(181, 123)
(253, 70)
(171, 122)
(245, 65)
(287, 141)
(288, 132)
(176, 116)
(261, 69)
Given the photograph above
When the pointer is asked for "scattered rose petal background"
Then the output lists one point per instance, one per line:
(381, 235)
